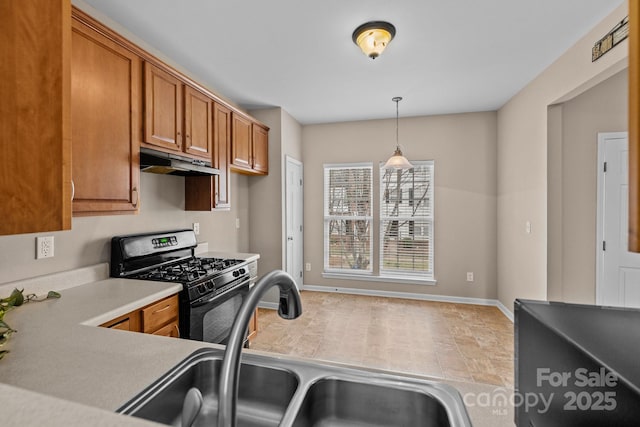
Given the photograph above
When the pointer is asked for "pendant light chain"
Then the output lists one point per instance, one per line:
(397, 118)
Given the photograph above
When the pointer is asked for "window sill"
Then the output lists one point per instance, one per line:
(387, 279)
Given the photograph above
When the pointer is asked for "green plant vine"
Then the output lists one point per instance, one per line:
(16, 299)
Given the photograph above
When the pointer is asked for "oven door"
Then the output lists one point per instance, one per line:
(211, 320)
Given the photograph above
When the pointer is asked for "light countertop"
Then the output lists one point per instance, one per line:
(63, 369)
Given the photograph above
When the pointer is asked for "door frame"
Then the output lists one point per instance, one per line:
(288, 160)
(603, 137)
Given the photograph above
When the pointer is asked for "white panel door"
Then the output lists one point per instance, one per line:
(619, 284)
(293, 209)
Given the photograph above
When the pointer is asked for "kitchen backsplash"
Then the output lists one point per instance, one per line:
(162, 208)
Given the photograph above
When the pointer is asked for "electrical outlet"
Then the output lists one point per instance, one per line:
(196, 228)
(469, 276)
(44, 247)
(307, 266)
(237, 222)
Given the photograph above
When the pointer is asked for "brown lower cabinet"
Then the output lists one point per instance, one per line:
(253, 326)
(159, 318)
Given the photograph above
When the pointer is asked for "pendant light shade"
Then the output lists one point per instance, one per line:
(373, 37)
(398, 160)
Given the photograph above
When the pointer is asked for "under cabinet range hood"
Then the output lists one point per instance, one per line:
(154, 161)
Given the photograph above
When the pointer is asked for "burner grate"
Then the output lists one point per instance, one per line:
(188, 271)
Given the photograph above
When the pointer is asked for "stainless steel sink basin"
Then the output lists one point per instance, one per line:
(263, 396)
(336, 402)
(294, 393)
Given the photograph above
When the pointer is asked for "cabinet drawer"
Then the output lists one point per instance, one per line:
(170, 330)
(159, 314)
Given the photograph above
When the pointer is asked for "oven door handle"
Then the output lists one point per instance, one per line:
(199, 303)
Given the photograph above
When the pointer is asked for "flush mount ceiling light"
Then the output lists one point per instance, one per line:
(372, 37)
(398, 160)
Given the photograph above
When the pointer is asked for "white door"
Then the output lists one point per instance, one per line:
(293, 209)
(619, 278)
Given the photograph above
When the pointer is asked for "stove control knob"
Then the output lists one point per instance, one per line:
(236, 273)
(201, 289)
(209, 285)
(242, 271)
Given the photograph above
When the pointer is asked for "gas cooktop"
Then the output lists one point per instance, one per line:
(188, 270)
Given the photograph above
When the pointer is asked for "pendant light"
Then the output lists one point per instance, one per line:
(398, 160)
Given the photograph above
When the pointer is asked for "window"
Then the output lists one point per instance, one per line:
(403, 222)
(406, 221)
(348, 191)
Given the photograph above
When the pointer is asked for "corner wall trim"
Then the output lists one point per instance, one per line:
(407, 295)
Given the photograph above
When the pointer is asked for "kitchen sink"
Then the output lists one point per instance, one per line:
(287, 392)
(336, 402)
(263, 395)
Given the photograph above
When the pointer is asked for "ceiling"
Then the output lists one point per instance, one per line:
(447, 56)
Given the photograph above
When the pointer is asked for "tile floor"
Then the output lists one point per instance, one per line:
(452, 341)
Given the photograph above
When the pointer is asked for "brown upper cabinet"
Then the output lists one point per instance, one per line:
(213, 193)
(249, 146)
(177, 116)
(197, 123)
(35, 119)
(260, 156)
(634, 126)
(163, 109)
(106, 103)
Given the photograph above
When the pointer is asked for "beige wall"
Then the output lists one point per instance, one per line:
(161, 208)
(464, 149)
(600, 109)
(266, 193)
(522, 160)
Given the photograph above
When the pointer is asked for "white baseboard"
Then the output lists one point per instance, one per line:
(407, 295)
(504, 310)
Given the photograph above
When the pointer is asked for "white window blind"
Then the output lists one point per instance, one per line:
(406, 220)
(348, 217)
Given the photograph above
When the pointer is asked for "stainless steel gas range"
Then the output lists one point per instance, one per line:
(213, 288)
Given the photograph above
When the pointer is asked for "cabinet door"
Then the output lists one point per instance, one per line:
(197, 121)
(260, 158)
(170, 330)
(163, 109)
(105, 109)
(634, 126)
(206, 193)
(35, 124)
(240, 141)
(222, 145)
(253, 326)
(126, 322)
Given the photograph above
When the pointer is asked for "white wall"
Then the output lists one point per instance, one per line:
(463, 147)
(522, 160)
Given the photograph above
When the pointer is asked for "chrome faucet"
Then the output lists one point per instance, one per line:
(290, 307)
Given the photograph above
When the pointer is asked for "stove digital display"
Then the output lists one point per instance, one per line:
(163, 242)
